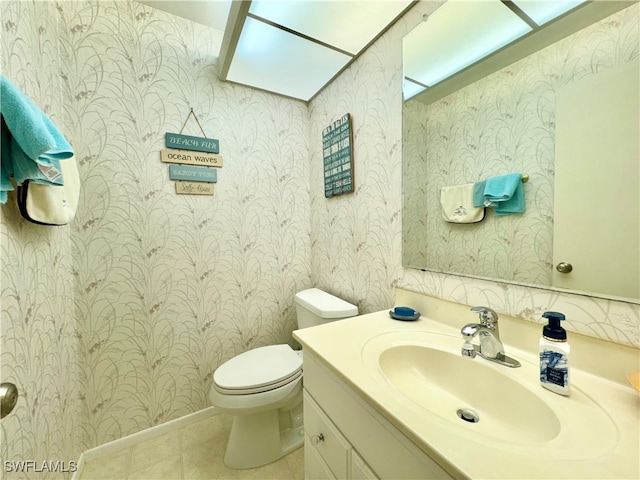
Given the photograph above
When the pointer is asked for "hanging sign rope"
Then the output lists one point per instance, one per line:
(197, 121)
(195, 144)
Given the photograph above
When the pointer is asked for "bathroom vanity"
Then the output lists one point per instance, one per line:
(342, 430)
(381, 398)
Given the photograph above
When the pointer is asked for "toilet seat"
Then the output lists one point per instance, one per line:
(258, 370)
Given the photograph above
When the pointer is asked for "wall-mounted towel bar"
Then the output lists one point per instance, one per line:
(525, 177)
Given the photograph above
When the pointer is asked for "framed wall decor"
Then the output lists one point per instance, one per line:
(337, 153)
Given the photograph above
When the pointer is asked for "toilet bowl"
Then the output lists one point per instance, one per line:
(262, 389)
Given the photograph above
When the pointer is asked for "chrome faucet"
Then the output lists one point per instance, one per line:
(490, 347)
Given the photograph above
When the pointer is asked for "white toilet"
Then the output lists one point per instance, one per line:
(262, 388)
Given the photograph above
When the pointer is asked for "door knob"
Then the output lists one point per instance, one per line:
(564, 267)
(8, 398)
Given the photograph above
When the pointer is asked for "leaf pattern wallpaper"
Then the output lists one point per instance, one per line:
(39, 348)
(357, 239)
(115, 323)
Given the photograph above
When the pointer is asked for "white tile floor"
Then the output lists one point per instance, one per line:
(193, 452)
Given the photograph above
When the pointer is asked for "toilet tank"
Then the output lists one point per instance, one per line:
(315, 307)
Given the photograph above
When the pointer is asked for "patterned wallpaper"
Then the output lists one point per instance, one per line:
(356, 239)
(39, 348)
(167, 286)
(415, 180)
(116, 323)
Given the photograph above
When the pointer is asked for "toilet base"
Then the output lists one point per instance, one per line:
(260, 438)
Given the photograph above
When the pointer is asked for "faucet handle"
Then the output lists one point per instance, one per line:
(488, 317)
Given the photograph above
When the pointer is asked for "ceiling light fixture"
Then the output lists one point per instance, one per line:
(295, 47)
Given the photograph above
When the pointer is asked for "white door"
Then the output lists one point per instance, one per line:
(597, 183)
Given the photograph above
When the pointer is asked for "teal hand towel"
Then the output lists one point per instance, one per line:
(504, 194)
(35, 144)
(502, 188)
(6, 163)
(30, 127)
(478, 194)
(46, 170)
(5, 184)
(514, 205)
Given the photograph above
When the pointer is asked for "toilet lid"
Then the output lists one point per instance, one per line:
(258, 369)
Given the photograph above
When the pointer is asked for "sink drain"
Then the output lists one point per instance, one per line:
(468, 415)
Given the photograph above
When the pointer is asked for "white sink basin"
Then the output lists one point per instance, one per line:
(431, 378)
(444, 383)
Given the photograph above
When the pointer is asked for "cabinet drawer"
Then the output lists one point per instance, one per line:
(322, 435)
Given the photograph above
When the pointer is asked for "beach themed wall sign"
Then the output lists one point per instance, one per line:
(195, 160)
(186, 142)
(337, 153)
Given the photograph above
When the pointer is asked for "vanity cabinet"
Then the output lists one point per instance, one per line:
(346, 438)
(328, 454)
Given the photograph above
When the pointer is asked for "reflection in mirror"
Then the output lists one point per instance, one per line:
(511, 122)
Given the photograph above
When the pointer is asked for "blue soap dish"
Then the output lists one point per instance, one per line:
(405, 314)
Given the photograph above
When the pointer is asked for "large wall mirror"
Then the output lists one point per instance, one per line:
(557, 100)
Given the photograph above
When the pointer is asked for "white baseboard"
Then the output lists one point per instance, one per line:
(130, 440)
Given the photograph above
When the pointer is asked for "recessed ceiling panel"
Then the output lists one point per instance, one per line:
(456, 35)
(411, 89)
(541, 11)
(346, 25)
(271, 59)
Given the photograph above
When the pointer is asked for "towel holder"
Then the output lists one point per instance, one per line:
(525, 177)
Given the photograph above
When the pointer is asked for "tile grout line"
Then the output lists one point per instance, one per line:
(129, 462)
(180, 449)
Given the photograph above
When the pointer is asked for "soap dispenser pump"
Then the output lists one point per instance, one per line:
(554, 355)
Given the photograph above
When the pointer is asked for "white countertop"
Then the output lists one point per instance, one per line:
(606, 445)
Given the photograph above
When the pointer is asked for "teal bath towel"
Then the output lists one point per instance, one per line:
(32, 145)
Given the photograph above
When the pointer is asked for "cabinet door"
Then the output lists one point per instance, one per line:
(323, 436)
(314, 466)
(359, 469)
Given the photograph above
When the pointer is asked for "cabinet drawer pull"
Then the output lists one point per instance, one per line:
(317, 439)
(564, 267)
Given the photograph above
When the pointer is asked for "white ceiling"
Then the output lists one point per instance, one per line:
(296, 47)
(212, 13)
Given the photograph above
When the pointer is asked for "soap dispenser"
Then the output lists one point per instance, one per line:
(554, 355)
